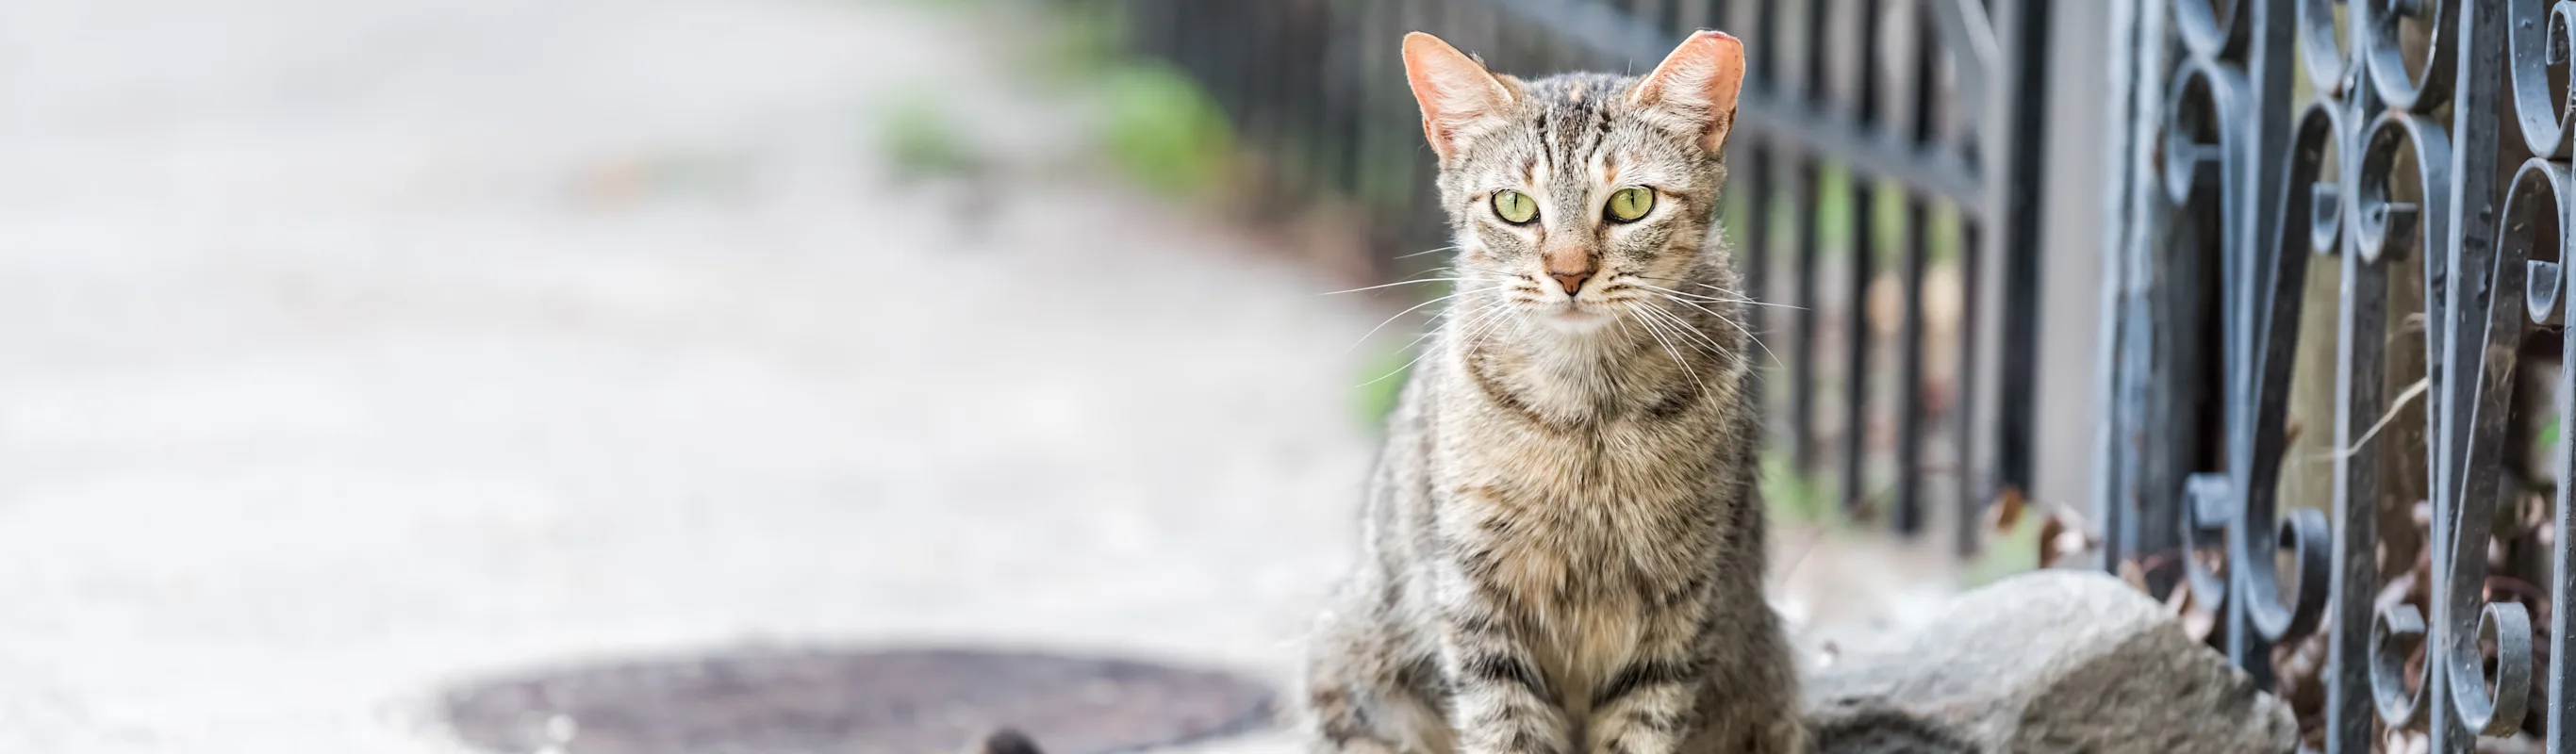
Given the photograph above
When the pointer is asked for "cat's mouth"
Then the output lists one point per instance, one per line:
(1572, 316)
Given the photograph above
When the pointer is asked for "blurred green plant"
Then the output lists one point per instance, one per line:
(1086, 39)
(1948, 233)
(1162, 129)
(1832, 219)
(1383, 379)
(1833, 216)
(2004, 554)
(920, 139)
(1791, 496)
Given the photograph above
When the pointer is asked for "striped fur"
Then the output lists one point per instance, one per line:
(1563, 547)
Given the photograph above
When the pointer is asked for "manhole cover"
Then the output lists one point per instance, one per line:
(892, 702)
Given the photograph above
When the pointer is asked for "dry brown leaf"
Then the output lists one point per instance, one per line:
(2197, 624)
(2049, 528)
(2064, 534)
(2298, 669)
(2408, 742)
(2133, 574)
(2005, 514)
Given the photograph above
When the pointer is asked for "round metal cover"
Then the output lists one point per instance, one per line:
(928, 701)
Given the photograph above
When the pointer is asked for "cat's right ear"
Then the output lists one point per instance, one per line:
(1459, 97)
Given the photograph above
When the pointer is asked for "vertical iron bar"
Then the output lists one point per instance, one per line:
(1861, 191)
(2466, 484)
(2138, 44)
(2161, 389)
(1863, 252)
(1912, 240)
(2361, 395)
(1963, 409)
(2562, 589)
(1802, 355)
(2252, 246)
(2025, 37)
(1760, 192)
(1753, 192)
(1803, 381)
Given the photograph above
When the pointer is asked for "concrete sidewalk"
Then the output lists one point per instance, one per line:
(353, 349)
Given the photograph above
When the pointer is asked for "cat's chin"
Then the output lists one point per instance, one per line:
(1573, 321)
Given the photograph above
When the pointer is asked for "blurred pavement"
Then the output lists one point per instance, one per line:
(349, 350)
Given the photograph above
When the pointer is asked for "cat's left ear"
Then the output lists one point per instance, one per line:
(1696, 86)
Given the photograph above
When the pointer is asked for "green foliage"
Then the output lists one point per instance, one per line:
(1087, 39)
(1833, 216)
(1731, 217)
(1162, 129)
(1887, 221)
(920, 139)
(1792, 496)
(2005, 554)
(1944, 233)
(1832, 219)
(1383, 379)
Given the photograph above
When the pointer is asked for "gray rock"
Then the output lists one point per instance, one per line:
(2052, 661)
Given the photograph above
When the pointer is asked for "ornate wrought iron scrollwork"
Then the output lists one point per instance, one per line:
(2214, 167)
(2540, 36)
(2383, 42)
(2481, 329)
(2396, 633)
(2393, 162)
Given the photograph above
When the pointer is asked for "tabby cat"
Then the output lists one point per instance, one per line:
(1563, 548)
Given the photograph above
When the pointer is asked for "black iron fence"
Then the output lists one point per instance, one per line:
(1885, 171)
(2380, 510)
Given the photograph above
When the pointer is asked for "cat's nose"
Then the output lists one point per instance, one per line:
(1573, 281)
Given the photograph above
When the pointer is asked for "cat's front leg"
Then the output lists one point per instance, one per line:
(1652, 704)
(1702, 681)
(1499, 702)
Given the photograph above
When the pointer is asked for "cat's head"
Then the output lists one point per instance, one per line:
(1577, 196)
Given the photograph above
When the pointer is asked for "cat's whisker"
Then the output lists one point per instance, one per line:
(1493, 324)
(1427, 333)
(1704, 340)
(1692, 296)
(1381, 325)
(1488, 312)
(1656, 329)
(1719, 300)
(1417, 359)
(1691, 333)
(1739, 327)
(1728, 296)
(1417, 281)
(1697, 305)
(1428, 252)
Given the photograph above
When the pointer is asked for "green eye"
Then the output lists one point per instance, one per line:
(1515, 207)
(1631, 203)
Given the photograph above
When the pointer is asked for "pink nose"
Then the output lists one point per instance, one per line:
(1573, 281)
